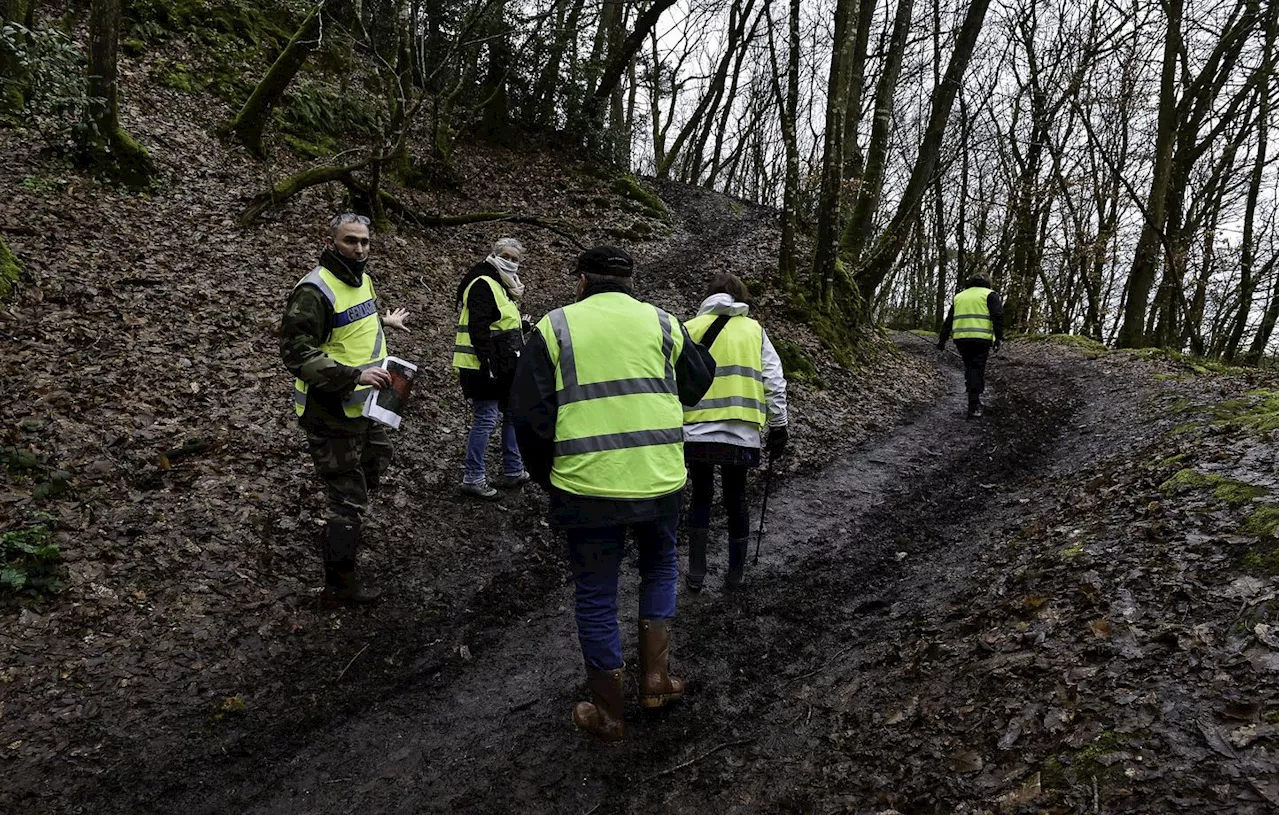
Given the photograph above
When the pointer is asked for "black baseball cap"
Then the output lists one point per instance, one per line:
(605, 260)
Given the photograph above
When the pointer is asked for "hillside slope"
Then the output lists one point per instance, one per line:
(148, 425)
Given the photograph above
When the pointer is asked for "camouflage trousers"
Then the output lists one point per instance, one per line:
(350, 461)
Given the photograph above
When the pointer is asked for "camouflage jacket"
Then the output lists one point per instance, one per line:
(307, 323)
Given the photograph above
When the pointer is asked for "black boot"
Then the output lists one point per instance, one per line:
(737, 563)
(975, 406)
(342, 541)
(697, 559)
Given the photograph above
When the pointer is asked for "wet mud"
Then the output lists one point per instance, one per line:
(488, 730)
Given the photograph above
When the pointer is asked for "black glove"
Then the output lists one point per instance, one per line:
(995, 349)
(942, 345)
(777, 441)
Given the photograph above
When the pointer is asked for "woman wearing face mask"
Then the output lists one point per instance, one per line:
(486, 349)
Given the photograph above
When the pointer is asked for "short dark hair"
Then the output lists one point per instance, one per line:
(730, 284)
(625, 283)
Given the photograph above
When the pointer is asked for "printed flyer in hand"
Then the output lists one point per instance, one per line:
(386, 405)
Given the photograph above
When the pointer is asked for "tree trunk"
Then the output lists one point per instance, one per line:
(858, 232)
(495, 114)
(12, 97)
(789, 108)
(1263, 338)
(827, 251)
(737, 21)
(107, 149)
(248, 125)
(1248, 247)
(612, 73)
(853, 161)
(881, 259)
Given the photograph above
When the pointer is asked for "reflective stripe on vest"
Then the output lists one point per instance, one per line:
(464, 353)
(737, 394)
(356, 339)
(972, 318)
(618, 420)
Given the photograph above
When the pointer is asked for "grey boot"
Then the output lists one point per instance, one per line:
(737, 563)
(697, 559)
(342, 541)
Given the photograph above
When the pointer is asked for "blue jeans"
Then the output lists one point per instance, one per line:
(485, 418)
(595, 556)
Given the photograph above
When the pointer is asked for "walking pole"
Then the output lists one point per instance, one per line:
(764, 507)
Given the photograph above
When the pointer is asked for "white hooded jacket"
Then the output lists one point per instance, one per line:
(744, 434)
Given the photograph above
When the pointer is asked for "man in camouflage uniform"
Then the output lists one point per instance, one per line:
(332, 340)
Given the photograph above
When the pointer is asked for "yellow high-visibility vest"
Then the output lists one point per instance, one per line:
(737, 394)
(356, 339)
(971, 318)
(464, 353)
(619, 421)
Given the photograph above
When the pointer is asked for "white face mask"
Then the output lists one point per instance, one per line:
(503, 264)
(507, 271)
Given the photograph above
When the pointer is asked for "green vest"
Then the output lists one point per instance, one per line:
(618, 422)
(356, 339)
(972, 318)
(464, 353)
(737, 394)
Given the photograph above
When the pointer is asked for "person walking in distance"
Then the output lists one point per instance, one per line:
(724, 429)
(332, 341)
(976, 323)
(597, 405)
(487, 345)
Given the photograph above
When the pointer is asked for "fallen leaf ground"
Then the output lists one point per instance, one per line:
(1070, 608)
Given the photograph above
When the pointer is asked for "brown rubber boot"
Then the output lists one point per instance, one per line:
(657, 687)
(602, 716)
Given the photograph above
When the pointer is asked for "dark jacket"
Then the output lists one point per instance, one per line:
(534, 408)
(994, 306)
(498, 355)
(306, 325)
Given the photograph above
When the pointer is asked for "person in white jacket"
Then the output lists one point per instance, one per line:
(724, 429)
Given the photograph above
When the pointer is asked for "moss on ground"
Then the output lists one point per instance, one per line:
(1255, 410)
(179, 77)
(1172, 460)
(322, 147)
(1264, 522)
(797, 366)
(317, 114)
(1198, 366)
(1262, 562)
(1088, 346)
(1227, 490)
(1252, 411)
(218, 25)
(629, 187)
(10, 269)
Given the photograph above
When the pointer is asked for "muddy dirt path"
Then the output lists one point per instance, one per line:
(843, 544)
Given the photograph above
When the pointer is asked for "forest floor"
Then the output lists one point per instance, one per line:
(1068, 606)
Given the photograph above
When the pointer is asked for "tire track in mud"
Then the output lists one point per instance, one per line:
(494, 735)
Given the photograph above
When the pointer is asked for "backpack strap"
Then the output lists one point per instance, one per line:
(709, 338)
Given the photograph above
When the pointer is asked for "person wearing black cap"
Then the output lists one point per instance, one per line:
(976, 323)
(597, 403)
